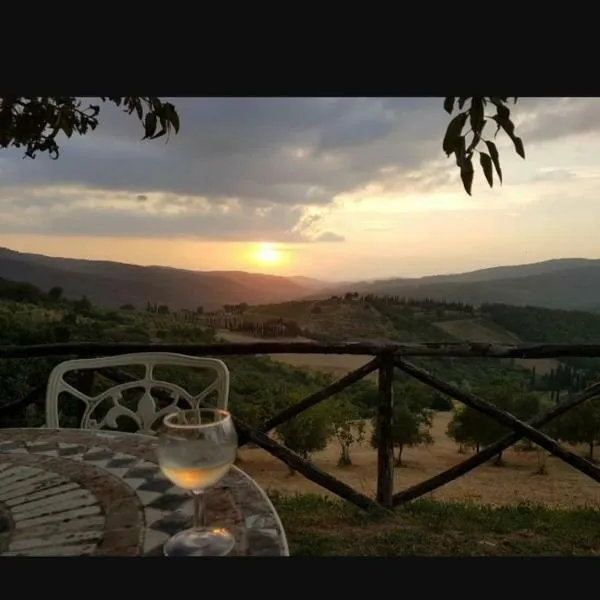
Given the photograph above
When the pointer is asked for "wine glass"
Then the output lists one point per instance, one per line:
(195, 450)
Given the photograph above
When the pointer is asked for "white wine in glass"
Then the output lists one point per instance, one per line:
(195, 450)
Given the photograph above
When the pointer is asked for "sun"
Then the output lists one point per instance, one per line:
(267, 255)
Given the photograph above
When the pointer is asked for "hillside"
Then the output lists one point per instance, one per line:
(570, 283)
(112, 284)
(385, 319)
(309, 282)
(338, 319)
(482, 330)
(487, 274)
(512, 272)
(564, 284)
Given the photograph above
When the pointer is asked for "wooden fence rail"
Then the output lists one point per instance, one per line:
(387, 357)
(433, 349)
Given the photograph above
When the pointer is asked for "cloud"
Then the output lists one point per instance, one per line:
(255, 168)
(286, 158)
(76, 211)
(546, 119)
(330, 236)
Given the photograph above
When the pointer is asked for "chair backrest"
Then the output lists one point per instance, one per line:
(145, 414)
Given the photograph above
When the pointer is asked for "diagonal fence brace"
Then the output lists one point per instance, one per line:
(467, 465)
(502, 416)
(320, 395)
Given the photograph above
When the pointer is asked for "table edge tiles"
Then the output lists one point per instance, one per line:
(86, 492)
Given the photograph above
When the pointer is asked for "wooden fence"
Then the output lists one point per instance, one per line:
(385, 359)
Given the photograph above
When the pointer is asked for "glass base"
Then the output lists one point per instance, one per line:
(200, 542)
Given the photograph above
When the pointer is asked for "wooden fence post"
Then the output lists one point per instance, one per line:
(385, 448)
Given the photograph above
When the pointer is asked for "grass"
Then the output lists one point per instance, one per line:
(319, 526)
(563, 487)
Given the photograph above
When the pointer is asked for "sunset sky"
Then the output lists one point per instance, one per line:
(331, 188)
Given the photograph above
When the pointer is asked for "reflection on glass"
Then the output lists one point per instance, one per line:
(196, 449)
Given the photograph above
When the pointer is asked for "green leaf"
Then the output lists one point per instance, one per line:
(67, 126)
(466, 174)
(503, 112)
(451, 139)
(162, 132)
(461, 101)
(138, 108)
(476, 115)
(488, 169)
(460, 151)
(518, 142)
(173, 117)
(505, 124)
(149, 125)
(477, 137)
(449, 104)
(495, 158)
(509, 128)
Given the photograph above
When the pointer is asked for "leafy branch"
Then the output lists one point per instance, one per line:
(35, 122)
(474, 120)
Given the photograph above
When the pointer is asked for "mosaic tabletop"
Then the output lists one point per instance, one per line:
(77, 492)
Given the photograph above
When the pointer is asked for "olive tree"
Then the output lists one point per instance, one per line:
(581, 425)
(307, 432)
(472, 428)
(410, 427)
(347, 427)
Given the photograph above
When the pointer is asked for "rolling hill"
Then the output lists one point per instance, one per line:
(385, 320)
(570, 283)
(112, 284)
(562, 283)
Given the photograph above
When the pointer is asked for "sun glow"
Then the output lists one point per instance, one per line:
(267, 254)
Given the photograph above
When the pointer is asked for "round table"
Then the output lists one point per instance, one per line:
(70, 492)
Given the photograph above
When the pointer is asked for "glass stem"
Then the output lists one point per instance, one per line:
(199, 512)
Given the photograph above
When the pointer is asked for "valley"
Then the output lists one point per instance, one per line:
(262, 386)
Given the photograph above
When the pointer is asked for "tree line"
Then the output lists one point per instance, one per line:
(426, 304)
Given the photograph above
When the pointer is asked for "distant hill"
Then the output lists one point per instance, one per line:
(112, 284)
(512, 272)
(487, 274)
(309, 282)
(385, 320)
(569, 283)
(561, 283)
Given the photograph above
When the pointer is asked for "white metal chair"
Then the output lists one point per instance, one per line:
(146, 413)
